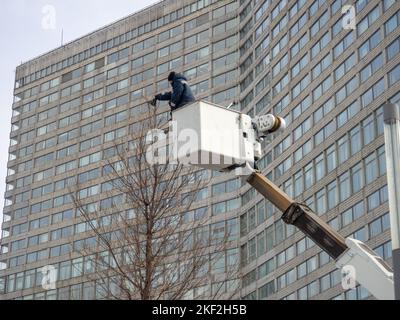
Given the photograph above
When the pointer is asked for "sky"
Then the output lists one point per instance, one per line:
(29, 28)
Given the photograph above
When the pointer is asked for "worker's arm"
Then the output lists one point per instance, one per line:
(164, 96)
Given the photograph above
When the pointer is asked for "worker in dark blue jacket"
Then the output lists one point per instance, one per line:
(181, 93)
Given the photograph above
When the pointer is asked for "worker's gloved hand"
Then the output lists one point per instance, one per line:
(172, 105)
(153, 102)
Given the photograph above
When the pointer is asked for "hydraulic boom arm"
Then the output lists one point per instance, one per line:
(368, 269)
(229, 141)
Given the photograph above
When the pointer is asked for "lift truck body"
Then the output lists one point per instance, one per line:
(217, 138)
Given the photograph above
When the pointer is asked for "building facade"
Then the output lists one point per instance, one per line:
(295, 58)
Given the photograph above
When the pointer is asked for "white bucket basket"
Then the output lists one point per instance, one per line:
(213, 137)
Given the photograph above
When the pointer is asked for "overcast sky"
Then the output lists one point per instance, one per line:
(27, 30)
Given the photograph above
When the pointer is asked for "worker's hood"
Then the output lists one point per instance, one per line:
(179, 76)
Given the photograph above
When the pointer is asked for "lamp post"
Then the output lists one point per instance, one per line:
(391, 118)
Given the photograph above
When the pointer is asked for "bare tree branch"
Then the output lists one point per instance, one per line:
(145, 248)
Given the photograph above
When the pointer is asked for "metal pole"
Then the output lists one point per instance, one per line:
(391, 118)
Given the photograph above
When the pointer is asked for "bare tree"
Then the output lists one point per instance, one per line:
(145, 248)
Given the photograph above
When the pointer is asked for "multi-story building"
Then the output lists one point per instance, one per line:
(293, 58)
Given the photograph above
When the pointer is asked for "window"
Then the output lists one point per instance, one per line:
(379, 225)
(296, 7)
(261, 47)
(282, 146)
(283, 167)
(110, 74)
(266, 290)
(117, 86)
(372, 93)
(226, 206)
(279, 231)
(392, 23)
(300, 86)
(387, 4)
(195, 55)
(325, 282)
(348, 113)
(332, 194)
(343, 45)
(248, 80)
(283, 62)
(371, 168)
(313, 288)
(321, 44)
(225, 60)
(393, 49)
(322, 88)
(224, 27)
(369, 19)
(302, 129)
(280, 45)
(301, 270)
(270, 239)
(261, 211)
(308, 175)
(355, 140)
(347, 89)
(345, 67)
(227, 186)
(175, 47)
(357, 178)
(344, 186)
(394, 75)
(279, 26)
(118, 55)
(369, 132)
(139, 62)
(266, 268)
(275, 12)
(225, 95)
(321, 66)
(263, 8)
(384, 250)
(320, 23)
(298, 183)
(324, 133)
(377, 198)
(298, 25)
(294, 50)
(265, 81)
(224, 78)
(169, 34)
(331, 158)
(370, 44)
(298, 66)
(371, 68)
(225, 43)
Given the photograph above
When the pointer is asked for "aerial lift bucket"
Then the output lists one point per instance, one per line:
(213, 137)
